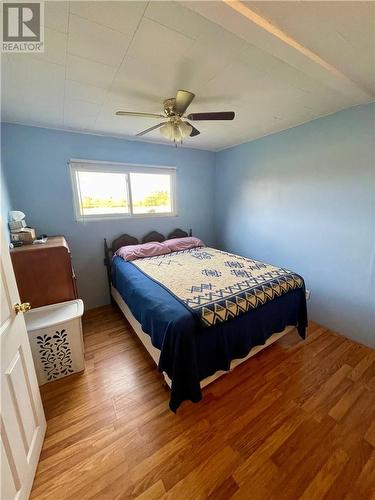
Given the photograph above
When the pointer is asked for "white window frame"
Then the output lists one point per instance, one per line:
(80, 165)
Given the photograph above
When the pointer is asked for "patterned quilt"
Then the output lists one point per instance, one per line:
(216, 285)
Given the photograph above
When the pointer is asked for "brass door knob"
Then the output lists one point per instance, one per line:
(24, 307)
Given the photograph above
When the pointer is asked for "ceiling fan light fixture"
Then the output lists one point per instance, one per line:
(176, 131)
(185, 129)
(177, 136)
(167, 131)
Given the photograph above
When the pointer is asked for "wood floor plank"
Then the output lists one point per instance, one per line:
(155, 492)
(260, 485)
(350, 432)
(201, 482)
(68, 457)
(119, 483)
(344, 404)
(326, 476)
(301, 443)
(364, 486)
(296, 419)
(337, 392)
(224, 490)
(325, 390)
(85, 473)
(294, 480)
(349, 474)
(370, 434)
(368, 377)
(271, 444)
(249, 438)
(362, 366)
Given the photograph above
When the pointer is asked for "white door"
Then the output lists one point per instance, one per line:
(23, 424)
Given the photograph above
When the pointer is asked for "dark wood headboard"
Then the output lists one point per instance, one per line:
(125, 239)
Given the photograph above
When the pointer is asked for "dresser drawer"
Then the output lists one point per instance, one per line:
(44, 273)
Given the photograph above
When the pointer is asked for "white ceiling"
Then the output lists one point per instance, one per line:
(103, 56)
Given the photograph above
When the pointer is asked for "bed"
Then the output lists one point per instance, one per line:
(201, 312)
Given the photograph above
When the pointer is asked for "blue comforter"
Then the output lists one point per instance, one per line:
(190, 352)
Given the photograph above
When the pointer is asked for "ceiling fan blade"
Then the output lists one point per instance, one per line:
(194, 131)
(150, 129)
(183, 100)
(144, 115)
(220, 115)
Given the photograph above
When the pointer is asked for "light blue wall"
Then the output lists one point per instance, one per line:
(36, 163)
(305, 199)
(6, 204)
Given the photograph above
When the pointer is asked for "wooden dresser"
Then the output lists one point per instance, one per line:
(44, 272)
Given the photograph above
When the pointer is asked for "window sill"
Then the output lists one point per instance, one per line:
(90, 218)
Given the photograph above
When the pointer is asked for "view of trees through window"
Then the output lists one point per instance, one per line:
(150, 193)
(102, 193)
(91, 202)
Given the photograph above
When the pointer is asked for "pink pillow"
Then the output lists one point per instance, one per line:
(132, 252)
(176, 244)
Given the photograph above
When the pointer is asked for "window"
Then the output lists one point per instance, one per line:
(151, 193)
(104, 190)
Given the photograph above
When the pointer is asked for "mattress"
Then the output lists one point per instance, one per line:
(189, 351)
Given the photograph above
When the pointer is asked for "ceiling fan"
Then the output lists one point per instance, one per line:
(176, 127)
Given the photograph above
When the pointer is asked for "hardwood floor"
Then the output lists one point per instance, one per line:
(295, 421)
